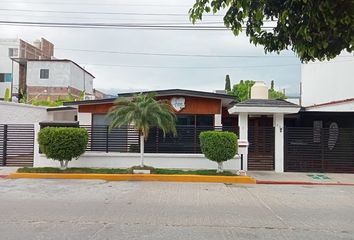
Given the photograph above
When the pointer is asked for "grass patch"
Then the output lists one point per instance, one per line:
(124, 171)
(73, 170)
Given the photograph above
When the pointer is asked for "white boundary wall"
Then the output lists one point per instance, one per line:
(127, 160)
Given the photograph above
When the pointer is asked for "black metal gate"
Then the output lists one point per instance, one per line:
(16, 145)
(319, 149)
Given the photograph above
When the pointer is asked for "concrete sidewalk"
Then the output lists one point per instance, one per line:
(270, 177)
(5, 171)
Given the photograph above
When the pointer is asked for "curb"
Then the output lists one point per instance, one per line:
(138, 177)
(302, 183)
(4, 176)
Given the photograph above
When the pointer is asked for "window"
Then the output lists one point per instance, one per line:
(44, 73)
(5, 77)
(13, 52)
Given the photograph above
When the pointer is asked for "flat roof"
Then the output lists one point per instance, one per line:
(25, 60)
(160, 93)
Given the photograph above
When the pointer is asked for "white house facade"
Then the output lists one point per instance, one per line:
(327, 81)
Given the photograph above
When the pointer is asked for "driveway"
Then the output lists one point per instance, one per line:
(80, 209)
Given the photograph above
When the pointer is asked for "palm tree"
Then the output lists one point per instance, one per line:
(143, 112)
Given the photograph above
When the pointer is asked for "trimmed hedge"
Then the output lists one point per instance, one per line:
(218, 146)
(63, 143)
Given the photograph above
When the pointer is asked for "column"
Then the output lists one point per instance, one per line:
(217, 120)
(278, 123)
(243, 135)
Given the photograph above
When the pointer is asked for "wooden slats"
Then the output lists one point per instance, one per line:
(261, 148)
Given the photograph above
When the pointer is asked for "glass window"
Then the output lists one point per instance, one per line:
(185, 120)
(2, 77)
(100, 119)
(13, 52)
(8, 77)
(205, 120)
(44, 73)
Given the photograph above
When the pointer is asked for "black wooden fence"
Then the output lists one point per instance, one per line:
(127, 139)
(16, 144)
(319, 150)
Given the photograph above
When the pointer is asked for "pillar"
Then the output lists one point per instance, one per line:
(278, 124)
(217, 120)
(243, 135)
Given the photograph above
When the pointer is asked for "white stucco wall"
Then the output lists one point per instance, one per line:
(323, 82)
(80, 79)
(61, 74)
(6, 63)
(17, 113)
(68, 115)
(127, 160)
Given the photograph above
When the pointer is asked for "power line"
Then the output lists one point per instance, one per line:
(186, 67)
(103, 13)
(100, 4)
(116, 26)
(171, 54)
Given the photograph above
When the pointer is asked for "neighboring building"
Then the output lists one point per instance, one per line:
(56, 79)
(323, 82)
(13, 74)
(98, 94)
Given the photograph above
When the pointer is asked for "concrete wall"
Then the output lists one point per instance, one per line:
(59, 74)
(80, 79)
(327, 81)
(6, 63)
(17, 113)
(127, 160)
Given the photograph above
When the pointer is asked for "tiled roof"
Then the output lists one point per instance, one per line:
(266, 103)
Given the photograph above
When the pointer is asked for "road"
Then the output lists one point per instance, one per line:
(80, 209)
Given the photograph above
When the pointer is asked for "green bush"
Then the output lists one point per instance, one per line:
(63, 143)
(218, 146)
(7, 95)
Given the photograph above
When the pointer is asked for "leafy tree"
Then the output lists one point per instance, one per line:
(227, 84)
(313, 29)
(63, 144)
(143, 112)
(218, 146)
(7, 95)
(242, 90)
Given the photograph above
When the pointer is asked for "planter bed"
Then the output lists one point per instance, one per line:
(123, 171)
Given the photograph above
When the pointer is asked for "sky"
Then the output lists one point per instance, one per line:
(121, 60)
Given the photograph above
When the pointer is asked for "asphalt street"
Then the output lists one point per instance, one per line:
(89, 209)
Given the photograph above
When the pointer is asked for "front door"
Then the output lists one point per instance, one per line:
(261, 143)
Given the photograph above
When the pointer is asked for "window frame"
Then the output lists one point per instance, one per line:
(44, 73)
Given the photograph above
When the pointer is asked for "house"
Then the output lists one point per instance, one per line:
(55, 79)
(30, 71)
(13, 74)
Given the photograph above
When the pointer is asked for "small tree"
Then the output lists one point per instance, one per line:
(143, 112)
(227, 84)
(218, 146)
(7, 95)
(63, 144)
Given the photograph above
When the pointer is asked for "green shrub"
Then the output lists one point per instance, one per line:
(63, 143)
(7, 95)
(218, 146)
